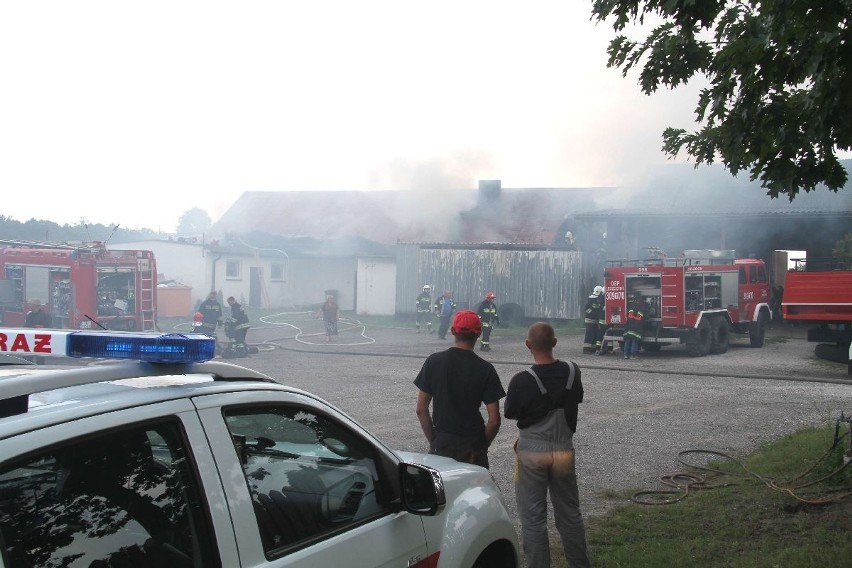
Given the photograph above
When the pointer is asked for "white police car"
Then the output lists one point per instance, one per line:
(173, 460)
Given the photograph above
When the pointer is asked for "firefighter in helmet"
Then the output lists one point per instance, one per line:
(423, 303)
(211, 314)
(594, 321)
(487, 312)
(236, 329)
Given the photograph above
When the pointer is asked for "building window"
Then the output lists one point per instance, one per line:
(276, 271)
(232, 269)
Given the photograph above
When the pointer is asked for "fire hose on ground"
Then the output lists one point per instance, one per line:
(683, 483)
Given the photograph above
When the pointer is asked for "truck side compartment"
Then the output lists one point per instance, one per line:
(823, 298)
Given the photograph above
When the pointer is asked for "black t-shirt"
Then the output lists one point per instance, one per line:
(527, 405)
(459, 382)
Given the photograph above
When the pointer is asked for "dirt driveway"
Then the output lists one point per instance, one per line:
(637, 415)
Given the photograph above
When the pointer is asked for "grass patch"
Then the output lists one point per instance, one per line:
(744, 524)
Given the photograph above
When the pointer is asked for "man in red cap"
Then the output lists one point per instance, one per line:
(459, 381)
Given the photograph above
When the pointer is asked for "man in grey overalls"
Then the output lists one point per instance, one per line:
(544, 400)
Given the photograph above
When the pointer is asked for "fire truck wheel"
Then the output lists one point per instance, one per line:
(721, 337)
(757, 330)
(698, 344)
(832, 352)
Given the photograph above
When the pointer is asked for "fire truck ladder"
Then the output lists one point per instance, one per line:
(46, 245)
(146, 295)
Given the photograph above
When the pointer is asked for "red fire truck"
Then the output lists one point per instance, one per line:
(698, 298)
(820, 292)
(81, 286)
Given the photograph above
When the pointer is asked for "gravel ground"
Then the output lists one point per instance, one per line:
(637, 414)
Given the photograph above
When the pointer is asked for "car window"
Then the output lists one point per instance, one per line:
(742, 275)
(308, 475)
(127, 498)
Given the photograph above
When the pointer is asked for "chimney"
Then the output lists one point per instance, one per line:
(489, 190)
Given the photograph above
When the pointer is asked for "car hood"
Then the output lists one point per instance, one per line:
(436, 462)
(450, 469)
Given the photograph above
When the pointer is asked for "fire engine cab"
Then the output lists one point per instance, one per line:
(697, 298)
(80, 286)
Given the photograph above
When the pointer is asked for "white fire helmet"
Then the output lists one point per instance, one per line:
(598, 290)
(427, 287)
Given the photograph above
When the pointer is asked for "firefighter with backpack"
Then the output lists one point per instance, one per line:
(423, 304)
(594, 321)
(487, 312)
(236, 329)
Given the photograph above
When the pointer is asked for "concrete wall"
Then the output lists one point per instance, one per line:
(311, 277)
(302, 282)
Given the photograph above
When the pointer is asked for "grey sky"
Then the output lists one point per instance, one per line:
(132, 113)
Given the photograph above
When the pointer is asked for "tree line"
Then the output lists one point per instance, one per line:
(40, 230)
(192, 222)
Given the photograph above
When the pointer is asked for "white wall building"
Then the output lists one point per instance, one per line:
(271, 278)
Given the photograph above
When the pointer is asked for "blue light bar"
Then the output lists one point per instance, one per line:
(152, 348)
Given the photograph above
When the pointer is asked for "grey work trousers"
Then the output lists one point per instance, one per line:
(536, 472)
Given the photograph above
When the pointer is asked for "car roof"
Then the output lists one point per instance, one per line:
(34, 396)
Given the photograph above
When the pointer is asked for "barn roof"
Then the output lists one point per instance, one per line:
(682, 190)
(516, 215)
(257, 243)
(513, 215)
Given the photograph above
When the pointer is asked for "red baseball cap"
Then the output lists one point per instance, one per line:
(466, 321)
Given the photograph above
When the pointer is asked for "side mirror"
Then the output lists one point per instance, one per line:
(336, 446)
(422, 489)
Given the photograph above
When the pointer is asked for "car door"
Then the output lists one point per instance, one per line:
(306, 486)
(118, 488)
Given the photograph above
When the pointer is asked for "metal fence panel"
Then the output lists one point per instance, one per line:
(547, 284)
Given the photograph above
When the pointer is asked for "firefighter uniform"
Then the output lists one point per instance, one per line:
(633, 333)
(423, 303)
(37, 317)
(487, 312)
(594, 320)
(211, 314)
(237, 329)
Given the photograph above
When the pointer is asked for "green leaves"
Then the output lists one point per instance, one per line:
(780, 74)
